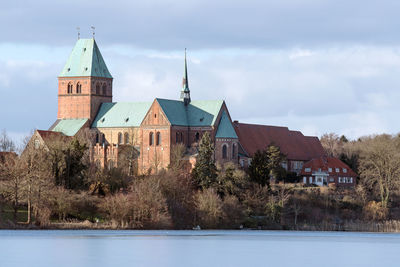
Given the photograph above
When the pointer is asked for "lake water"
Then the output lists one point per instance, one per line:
(197, 248)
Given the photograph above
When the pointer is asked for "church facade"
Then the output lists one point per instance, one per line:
(152, 129)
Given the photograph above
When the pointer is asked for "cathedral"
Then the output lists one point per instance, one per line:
(85, 103)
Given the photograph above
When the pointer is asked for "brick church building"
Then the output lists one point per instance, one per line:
(85, 103)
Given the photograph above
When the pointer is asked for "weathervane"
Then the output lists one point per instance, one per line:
(79, 32)
(93, 28)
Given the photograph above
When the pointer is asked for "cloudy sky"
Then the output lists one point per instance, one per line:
(312, 65)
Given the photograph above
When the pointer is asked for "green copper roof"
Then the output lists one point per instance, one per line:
(121, 114)
(225, 128)
(68, 127)
(85, 60)
(197, 113)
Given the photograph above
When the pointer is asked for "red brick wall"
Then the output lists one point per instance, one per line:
(86, 103)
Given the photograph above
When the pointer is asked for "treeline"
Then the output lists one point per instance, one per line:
(58, 186)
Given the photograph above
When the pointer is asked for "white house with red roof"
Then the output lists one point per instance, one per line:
(328, 170)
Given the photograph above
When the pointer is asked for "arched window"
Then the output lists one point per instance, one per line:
(151, 138)
(69, 88)
(233, 151)
(177, 137)
(78, 88)
(97, 138)
(119, 138)
(110, 164)
(126, 138)
(97, 89)
(224, 151)
(98, 163)
(158, 138)
(104, 89)
(103, 139)
(197, 137)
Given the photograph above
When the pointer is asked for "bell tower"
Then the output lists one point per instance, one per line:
(84, 82)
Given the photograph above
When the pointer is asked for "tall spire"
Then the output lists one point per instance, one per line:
(185, 92)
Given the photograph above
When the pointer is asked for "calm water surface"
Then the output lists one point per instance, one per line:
(197, 248)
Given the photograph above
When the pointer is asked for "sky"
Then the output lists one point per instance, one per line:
(317, 66)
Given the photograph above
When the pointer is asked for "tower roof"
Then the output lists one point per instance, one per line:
(85, 60)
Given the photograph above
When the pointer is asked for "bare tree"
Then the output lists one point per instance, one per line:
(331, 143)
(380, 165)
(6, 143)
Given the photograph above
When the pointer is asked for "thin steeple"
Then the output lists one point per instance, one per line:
(185, 92)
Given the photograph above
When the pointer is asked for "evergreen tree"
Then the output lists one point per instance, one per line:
(259, 168)
(275, 159)
(205, 172)
(72, 176)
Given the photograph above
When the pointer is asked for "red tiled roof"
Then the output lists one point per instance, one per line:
(293, 144)
(324, 163)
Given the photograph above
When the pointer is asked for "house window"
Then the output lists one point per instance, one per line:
(351, 180)
(340, 180)
(310, 179)
(182, 138)
(307, 169)
(126, 136)
(119, 138)
(158, 138)
(37, 144)
(151, 138)
(177, 137)
(241, 163)
(97, 138)
(233, 151)
(337, 170)
(330, 170)
(344, 170)
(197, 137)
(224, 151)
(304, 180)
(103, 139)
(78, 88)
(331, 179)
(97, 89)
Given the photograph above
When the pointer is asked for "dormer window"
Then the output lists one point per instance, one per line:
(337, 170)
(344, 170)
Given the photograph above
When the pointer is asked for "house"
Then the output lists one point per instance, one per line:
(327, 170)
(297, 148)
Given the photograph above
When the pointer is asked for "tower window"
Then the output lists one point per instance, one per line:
(197, 137)
(151, 138)
(158, 138)
(104, 89)
(69, 88)
(78, 88)
(233, 151)
(126, 138)
(103, 139)
(224, 151)
(119, 138)
(97, 89)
